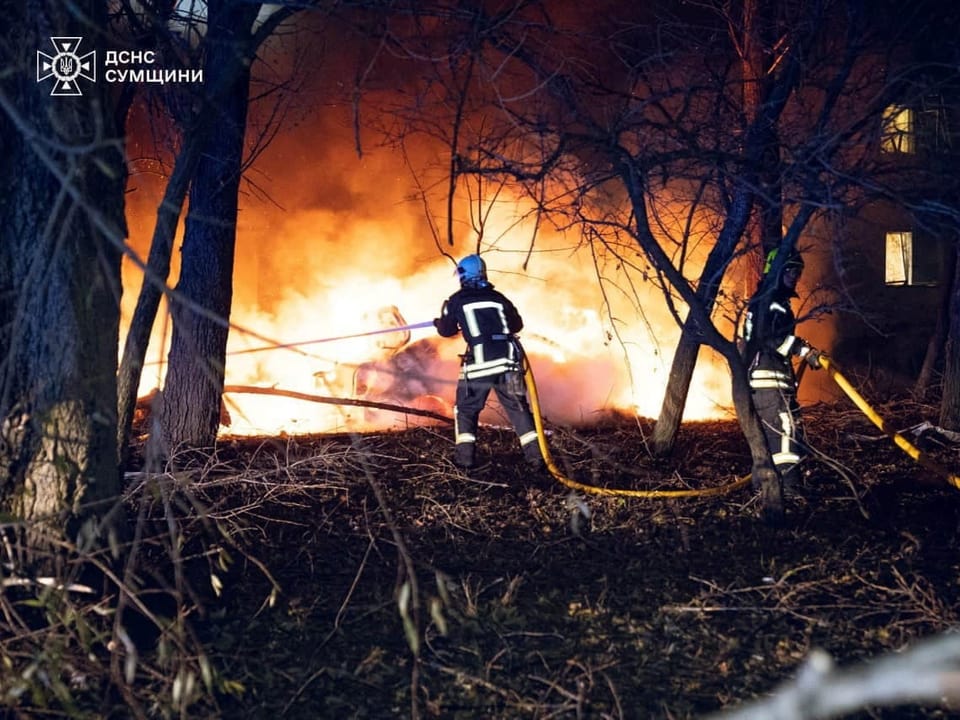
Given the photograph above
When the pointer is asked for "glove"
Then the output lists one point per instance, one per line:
(811, 356)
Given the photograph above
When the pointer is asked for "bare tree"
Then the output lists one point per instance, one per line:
(212, 124)
(149, 24)
(61, 237)
(750, 126)
(190, 411)
(770, 73)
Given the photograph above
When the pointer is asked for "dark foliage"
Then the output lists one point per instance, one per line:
(529, 608)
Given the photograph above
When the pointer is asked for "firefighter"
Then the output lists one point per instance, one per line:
(488, 322)
(771, 345)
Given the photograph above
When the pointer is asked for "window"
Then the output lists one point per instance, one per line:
(898, 132)
(911, 259)
(899, 264)
(933, 125)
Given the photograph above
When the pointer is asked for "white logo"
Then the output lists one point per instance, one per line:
(66, 66)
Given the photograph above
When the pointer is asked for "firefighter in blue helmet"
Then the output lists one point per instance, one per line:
(771, 344)
(488, 322)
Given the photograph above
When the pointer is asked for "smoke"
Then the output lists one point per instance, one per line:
(330, 239)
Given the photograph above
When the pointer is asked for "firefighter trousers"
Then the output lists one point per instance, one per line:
(472, 396)
(779, 414)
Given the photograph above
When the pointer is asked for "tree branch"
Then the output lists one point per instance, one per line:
(927, 674)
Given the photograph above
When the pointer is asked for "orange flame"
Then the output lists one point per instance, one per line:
(351, 261)
(586, 358)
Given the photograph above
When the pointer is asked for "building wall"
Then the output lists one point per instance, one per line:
(880, 325)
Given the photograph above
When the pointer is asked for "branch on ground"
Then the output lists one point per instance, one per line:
(253, 389)
(926, 674)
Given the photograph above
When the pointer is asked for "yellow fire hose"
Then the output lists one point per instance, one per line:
(593, 489)
(897, 438)
(825, 363)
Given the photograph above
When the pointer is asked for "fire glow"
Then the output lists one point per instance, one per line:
(359, 258)
(581, 365)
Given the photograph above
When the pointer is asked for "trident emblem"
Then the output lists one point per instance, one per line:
(66, 66)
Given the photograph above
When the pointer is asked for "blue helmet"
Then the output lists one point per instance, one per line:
(472, 271)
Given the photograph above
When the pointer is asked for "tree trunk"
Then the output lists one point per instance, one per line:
(950, 405)
(760, 37)
(158, 270)
(195, 127)
(761, 149)
(939, 337)
(684, 362)
(190, 407)
(685, 358)
(765, 475)
(61, 229)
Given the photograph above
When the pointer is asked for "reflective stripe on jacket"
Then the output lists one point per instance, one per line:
(487, 320)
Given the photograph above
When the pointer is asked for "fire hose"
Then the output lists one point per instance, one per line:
(531, 385)
(827, 364)
(296, 346)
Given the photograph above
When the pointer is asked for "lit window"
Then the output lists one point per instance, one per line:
(898, 130)
(911, 259)
(899, 264)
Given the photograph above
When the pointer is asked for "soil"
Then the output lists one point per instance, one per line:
(366, 577)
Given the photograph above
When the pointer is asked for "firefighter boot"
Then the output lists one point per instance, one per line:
(531, 453)
(792, 480)
(464, 455)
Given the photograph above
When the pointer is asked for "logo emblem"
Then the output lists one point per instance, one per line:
(66, 66)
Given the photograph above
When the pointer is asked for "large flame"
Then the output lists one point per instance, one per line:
(586, 357)
(349, 254)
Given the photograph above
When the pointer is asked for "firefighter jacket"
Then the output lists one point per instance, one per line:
(487, 321)
(769, 330)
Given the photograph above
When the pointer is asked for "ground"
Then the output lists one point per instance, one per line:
(365, 577)
(529, 600)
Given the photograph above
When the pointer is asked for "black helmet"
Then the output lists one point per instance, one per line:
(794, 261)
